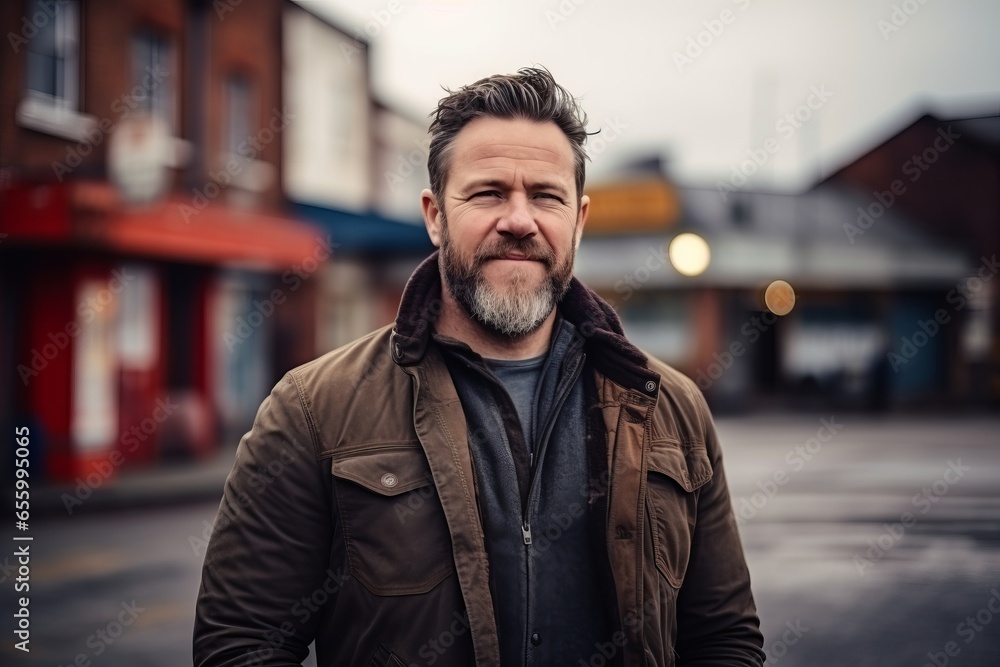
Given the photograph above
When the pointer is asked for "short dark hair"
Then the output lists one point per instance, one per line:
(531, 94)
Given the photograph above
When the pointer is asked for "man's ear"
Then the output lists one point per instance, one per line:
(581, 218)
(432, 216)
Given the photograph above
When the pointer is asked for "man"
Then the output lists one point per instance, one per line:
(499, 477)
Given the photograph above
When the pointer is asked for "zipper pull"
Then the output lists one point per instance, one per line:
(526, 533)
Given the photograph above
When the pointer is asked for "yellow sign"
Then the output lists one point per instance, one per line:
(648, 205)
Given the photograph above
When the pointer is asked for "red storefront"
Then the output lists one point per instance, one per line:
(129, 330)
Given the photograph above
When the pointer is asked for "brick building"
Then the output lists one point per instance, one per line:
(945, 174)
(152, 283)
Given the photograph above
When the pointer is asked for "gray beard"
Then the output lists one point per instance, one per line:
(513, 312)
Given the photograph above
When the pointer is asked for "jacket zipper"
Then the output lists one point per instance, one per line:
(544, 442)
(566, 386)
(550, 422)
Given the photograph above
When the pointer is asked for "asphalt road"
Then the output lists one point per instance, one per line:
(870, 542)
(883, 541)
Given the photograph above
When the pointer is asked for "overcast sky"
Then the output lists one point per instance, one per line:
(872, 66)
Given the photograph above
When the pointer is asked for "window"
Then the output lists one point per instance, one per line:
(239, 112)
(53, 53)
(243, 139)
(154, 76)
(52, 80)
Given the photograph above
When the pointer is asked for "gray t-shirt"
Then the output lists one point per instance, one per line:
(520, 379)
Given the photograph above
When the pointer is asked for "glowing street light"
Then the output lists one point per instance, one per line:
(690, 254)
(779, 297)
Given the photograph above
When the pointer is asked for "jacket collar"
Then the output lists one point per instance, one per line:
(609, 350)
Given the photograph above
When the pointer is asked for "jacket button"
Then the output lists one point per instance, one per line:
(651, 386)
(389, 480)
(536, 639)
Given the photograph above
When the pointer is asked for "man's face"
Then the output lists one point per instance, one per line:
(510, 222)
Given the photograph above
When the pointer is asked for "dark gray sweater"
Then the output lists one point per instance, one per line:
(544, 574)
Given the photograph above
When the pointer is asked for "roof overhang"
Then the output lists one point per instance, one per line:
(88, 215)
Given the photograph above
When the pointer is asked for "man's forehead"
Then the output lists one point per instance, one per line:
(491, 143)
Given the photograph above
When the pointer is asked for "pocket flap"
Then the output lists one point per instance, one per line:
(691, 469)
(386, 471)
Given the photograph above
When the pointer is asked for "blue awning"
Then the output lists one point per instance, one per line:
(366, 233)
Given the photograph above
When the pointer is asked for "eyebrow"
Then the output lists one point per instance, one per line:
(502, 185)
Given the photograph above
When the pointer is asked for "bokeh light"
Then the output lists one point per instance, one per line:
(690, 254)
(779, 297)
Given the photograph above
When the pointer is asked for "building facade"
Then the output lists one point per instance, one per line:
(881, 317)
(355, 168)
(152, 282)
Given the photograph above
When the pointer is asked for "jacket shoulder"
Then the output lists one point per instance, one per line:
(361, 354)
(356, 394)
(682, 411)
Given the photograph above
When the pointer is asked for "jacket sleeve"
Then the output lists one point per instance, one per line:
(268, 555)
(717, 623)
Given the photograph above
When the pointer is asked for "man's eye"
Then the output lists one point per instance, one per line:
(487, 193)
(549, 195)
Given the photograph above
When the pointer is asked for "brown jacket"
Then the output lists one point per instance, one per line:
(350, 516)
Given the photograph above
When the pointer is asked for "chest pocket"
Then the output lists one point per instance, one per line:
(394, 528)
(673, 477)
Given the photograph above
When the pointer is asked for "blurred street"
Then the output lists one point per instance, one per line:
(822, 557)
(837, 581)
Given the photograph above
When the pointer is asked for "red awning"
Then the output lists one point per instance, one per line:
(216, 234)
(174, 229)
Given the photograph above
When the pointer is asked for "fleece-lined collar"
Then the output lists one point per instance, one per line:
(606, 346)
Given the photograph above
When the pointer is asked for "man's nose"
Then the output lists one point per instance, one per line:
(517, 218)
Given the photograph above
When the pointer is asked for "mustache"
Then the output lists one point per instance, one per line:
(527, 247)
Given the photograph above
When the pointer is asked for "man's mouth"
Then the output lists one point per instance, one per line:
(516, 256)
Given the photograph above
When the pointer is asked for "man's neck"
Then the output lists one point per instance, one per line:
(455, 323)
